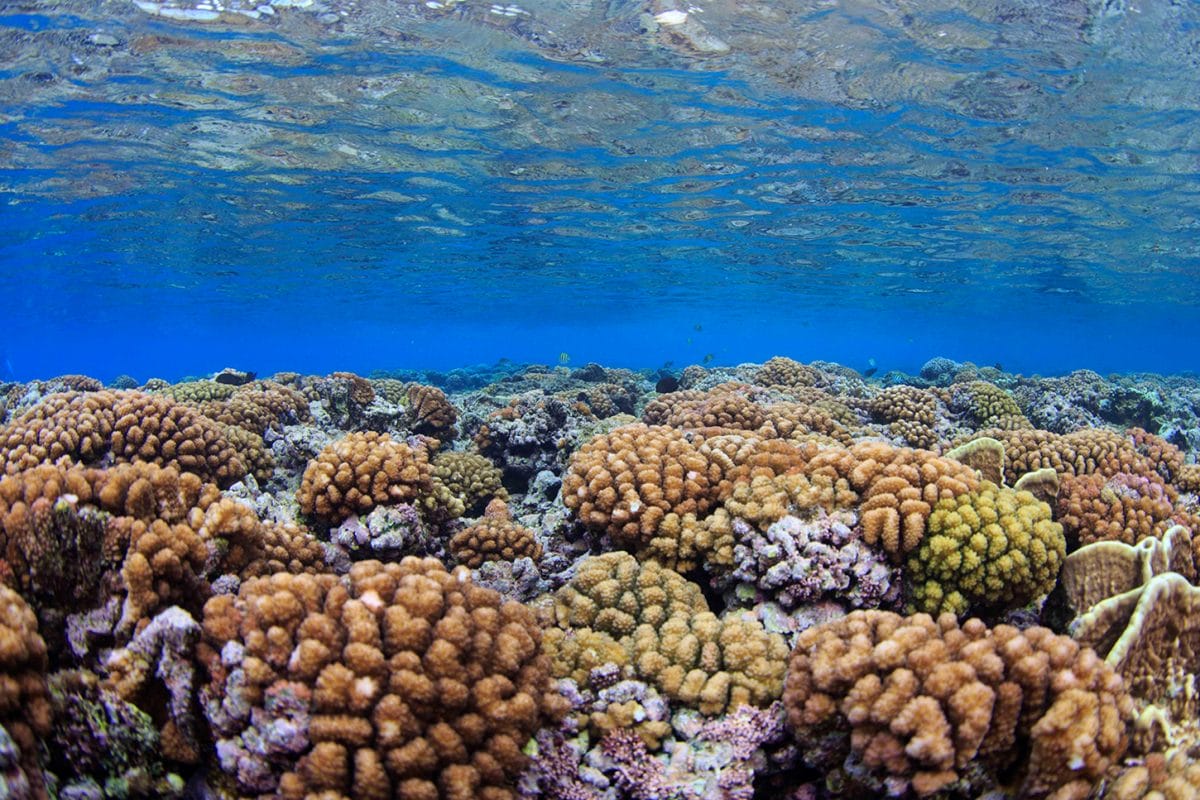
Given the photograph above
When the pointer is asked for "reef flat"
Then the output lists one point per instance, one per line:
(769, 580)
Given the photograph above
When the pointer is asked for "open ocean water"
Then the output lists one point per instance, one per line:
(599, 399)
(372, 185)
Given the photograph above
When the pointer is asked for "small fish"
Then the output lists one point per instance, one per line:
(697, 327)
(666, 384)
(870, 371)
(564, 358)
(708, 358)
(999, 367)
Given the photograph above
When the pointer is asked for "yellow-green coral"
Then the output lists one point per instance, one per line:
(710, 664)
(994, 548)
(992, 407)
(470, 477)
(669, 637)
(199, 391)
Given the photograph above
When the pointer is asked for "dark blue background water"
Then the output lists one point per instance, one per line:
(274, 195)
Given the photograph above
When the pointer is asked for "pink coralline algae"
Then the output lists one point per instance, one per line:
(804, 560)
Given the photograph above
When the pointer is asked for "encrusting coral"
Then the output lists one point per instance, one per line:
(989, 550)
(496, 537)
(891, 703)
(396, 680)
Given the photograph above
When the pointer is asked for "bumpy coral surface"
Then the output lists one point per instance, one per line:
(927, 705)
(1122, 508)
(69, 531)
(992, 549)
(496, 537)
(430, 412)
(986, 405)
(624, 483)
(126, 426)
(782, 371)
(670, 637)
(363, 470)
(397, 680)
(25, 709)
(470, 477)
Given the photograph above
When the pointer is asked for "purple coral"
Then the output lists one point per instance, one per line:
(388, 533)
(803, 560)
(275, 734)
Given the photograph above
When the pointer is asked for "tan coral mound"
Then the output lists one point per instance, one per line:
(258, 406)
(669, 636)
(923, 701)
(470, 477)
(360, 471)
(430, 412)
(626, 481)
(1082, 452)
(1122, 508)
(496, 537)
(783, 371)
(413, 681)
(126, 426)
(25, 709)
(166, 532)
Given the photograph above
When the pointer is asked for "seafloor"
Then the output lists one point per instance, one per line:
(778, 580)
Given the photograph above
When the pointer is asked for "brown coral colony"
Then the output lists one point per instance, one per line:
(238, 576)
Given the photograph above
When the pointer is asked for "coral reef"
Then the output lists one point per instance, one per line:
(398, 679)
(217, 588)
(985, 551)
(124, 426)
(895, 702)
(494, 538)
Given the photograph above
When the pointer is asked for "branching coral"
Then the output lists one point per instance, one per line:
(124, 426)
(396, 680)
(993, 549)
(496, 537)
(925, 704)
(25, 709)
(670, 637)
(363, 470)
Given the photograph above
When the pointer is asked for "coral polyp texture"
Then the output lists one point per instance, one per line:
(25, 710)
(496, 537)
(669, 637)
(992, 549)
(313, 587)
(396, 680)
(363, 470)
(124, 426)
(890, 703)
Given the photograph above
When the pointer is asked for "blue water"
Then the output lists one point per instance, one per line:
(384, 185)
